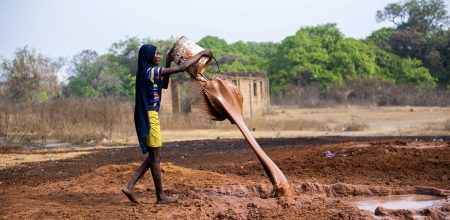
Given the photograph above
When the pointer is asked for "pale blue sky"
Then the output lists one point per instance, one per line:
(65, 27)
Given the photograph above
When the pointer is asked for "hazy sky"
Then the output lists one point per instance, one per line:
(65, 27)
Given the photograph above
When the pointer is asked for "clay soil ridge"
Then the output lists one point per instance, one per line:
(223, 179)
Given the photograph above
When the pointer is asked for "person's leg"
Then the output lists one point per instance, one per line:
(155, 158)
(155, 143)
(129, 189)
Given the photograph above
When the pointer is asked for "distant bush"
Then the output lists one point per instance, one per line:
(363, 92)
(84, 120)
(447, 125)
(29, 76)
(321, 54)
(71, 120)
(354, 126)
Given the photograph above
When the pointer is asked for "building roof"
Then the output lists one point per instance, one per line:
(227, 75)
(244, 74)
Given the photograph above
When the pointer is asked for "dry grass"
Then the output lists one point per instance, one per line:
(362, 92)
(70, 120)
(371, 119)
(20, 155)
(73, 149)
(8, 160)
(79, 121)
(83, 120)
(354, 126)
(271, 124)
(187, 121)
(447, 125)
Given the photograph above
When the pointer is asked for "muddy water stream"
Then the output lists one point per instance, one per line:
(224, 101)
(411, 202)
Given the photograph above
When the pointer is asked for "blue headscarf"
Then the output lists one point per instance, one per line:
(145, 61)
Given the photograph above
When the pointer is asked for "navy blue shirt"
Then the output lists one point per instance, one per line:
(153, 86)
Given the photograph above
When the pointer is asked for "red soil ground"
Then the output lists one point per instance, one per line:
(223, 179)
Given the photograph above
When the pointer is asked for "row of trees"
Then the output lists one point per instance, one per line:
(113, 73)
(321, 54)
(415, 51)
(29, 76)
(420, 33)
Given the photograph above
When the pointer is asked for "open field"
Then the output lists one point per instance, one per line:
(278, 123)
(343, 120)
(223, 179)
(398, 120)
(69, 122)
(296, 122)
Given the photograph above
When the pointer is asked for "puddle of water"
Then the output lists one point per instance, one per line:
(55, 145)
(411, 201)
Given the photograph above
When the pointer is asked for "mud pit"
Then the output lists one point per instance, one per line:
(223, 179)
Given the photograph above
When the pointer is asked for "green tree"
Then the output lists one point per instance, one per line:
(125, 53)
(321, 54)
(95, 76)
(424, 16)
(381, 38)
(353, 59)
(304, 57)
(84, 70)
(215, 43)
(420, 34)
(30, 76)
(402, 70)
(239, 56)
(111, 74)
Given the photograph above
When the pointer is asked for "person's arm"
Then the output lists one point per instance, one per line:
(168, 61)
(184, 65)
(165, 78)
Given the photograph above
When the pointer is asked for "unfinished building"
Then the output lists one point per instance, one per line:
(183, 95)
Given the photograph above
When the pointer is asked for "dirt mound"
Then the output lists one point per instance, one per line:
(202, 194)
(347, 190)
(438, 212)
(225, 181)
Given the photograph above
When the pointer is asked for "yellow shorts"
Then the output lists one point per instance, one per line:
(154, 137)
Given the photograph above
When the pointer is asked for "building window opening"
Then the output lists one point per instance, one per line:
(260, 88)
(254, 88)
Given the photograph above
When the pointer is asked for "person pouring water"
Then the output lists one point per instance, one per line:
(146, 117)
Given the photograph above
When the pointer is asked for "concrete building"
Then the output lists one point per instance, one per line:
(184, 95)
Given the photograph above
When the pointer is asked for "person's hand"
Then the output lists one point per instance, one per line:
(168, 61)
(207, 53)
(201, 78)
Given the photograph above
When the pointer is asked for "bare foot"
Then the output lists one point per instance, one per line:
(166, 199)
(131, 195)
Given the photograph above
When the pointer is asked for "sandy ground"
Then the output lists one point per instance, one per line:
(222, 179)
(335, 121)
(398, 120)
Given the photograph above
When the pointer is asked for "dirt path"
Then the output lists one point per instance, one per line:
(223, 179)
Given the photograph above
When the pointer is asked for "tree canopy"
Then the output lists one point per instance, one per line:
(30, 76)
(321, 54)
(415, 51)
(239, 56)
(111, 74)
(421, 32)
(416, 15)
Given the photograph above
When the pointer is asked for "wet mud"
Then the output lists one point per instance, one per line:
(404, 201)
(223, 179)
(224, 100)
